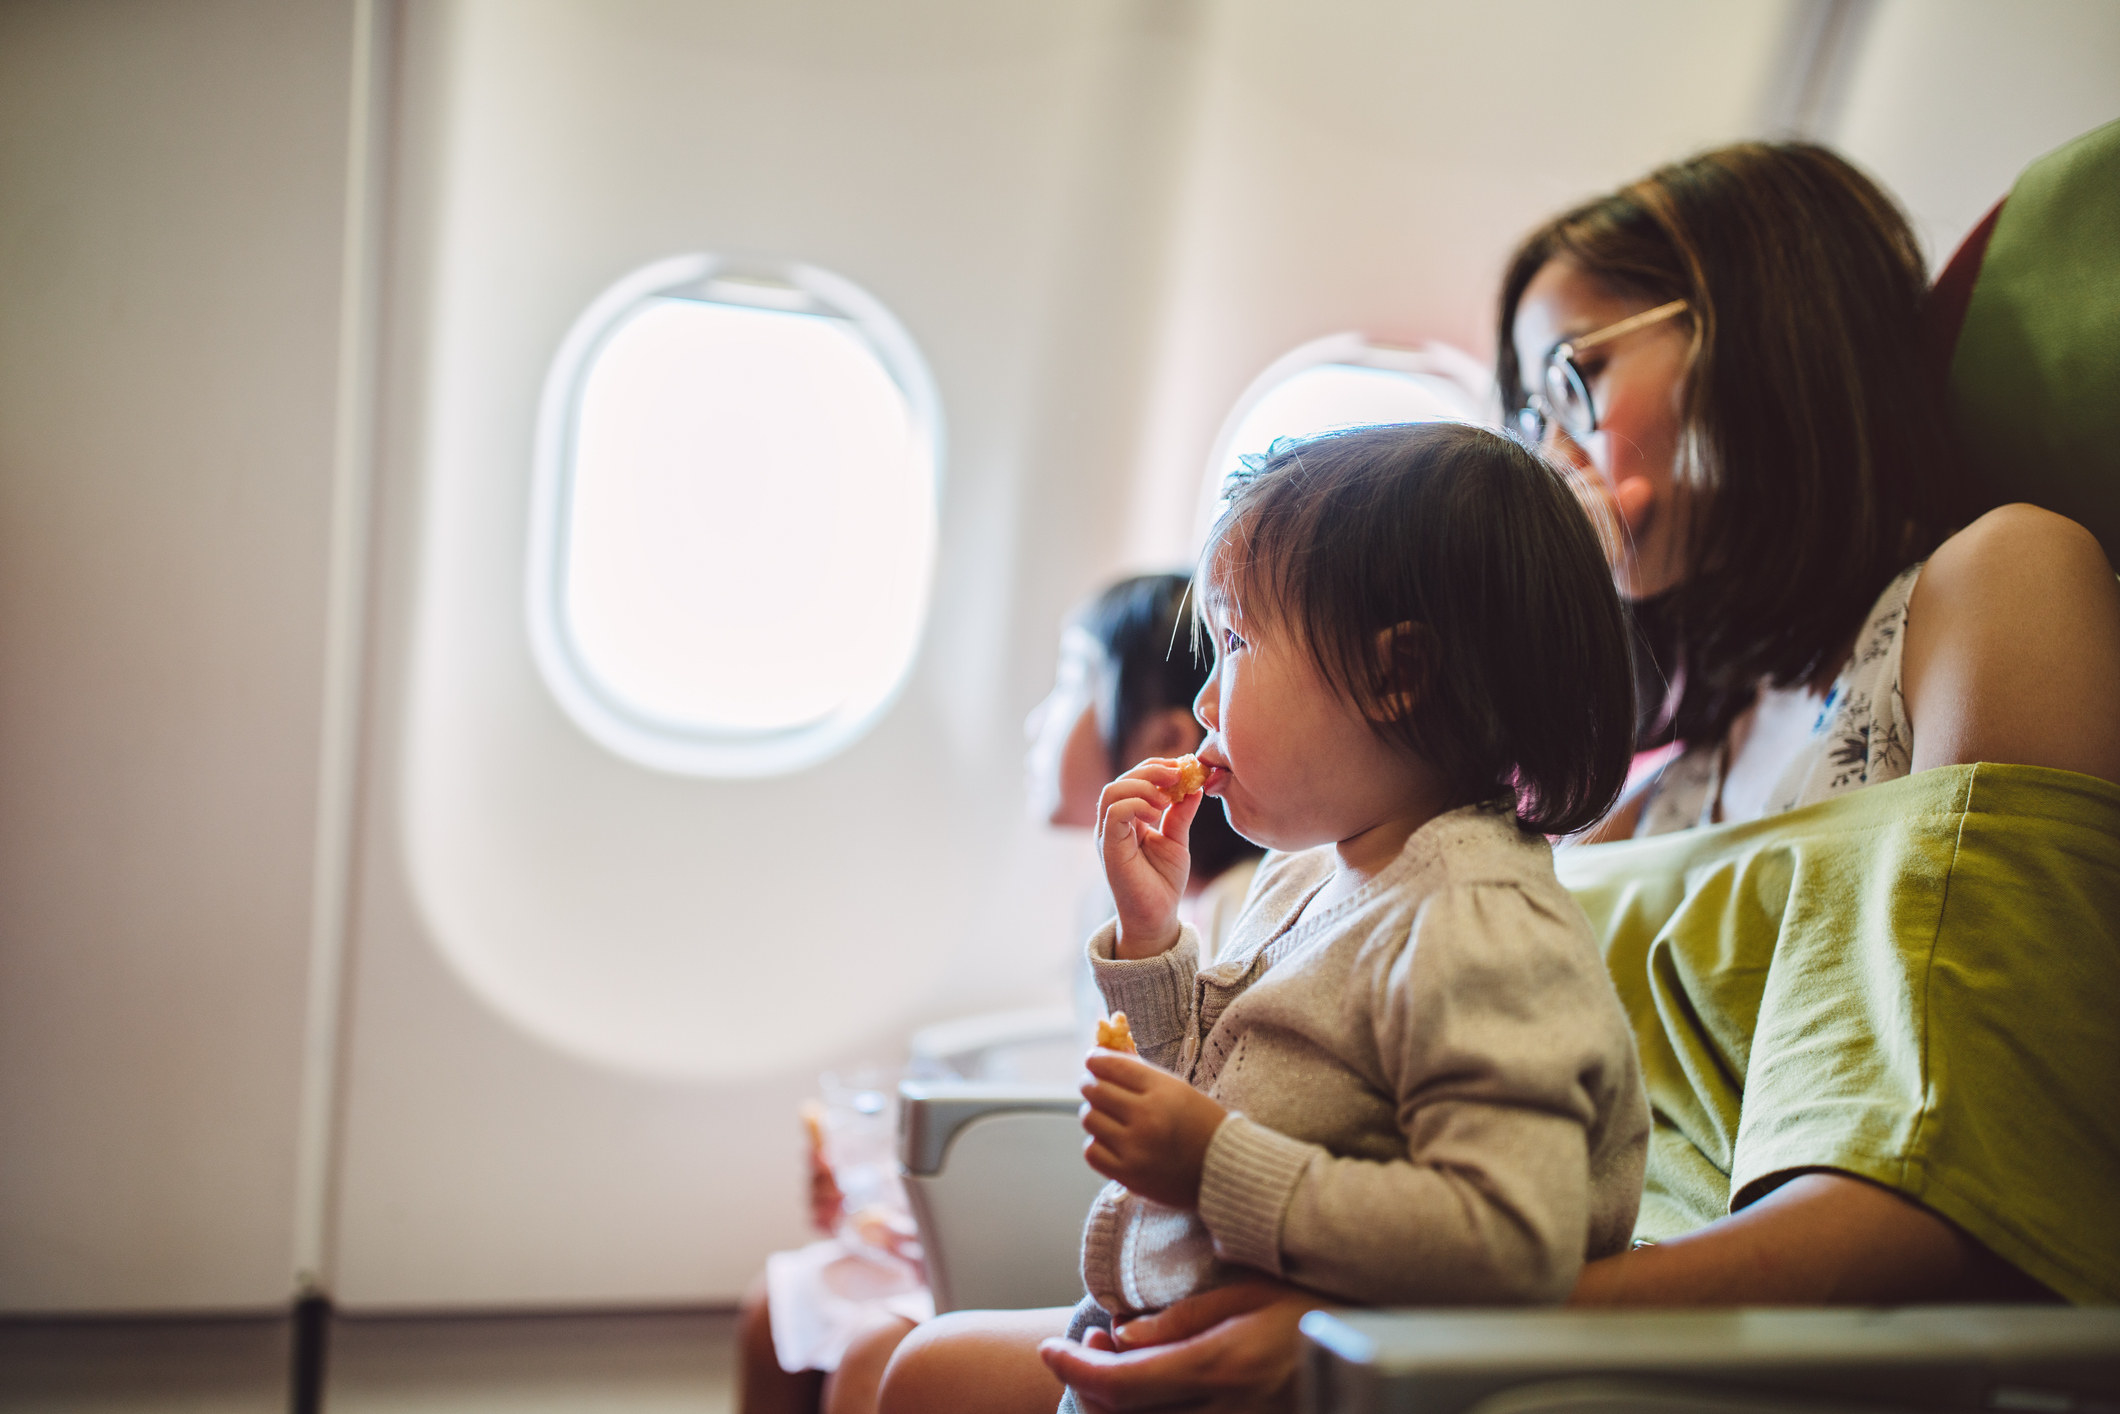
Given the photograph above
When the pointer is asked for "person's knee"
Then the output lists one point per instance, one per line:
(925, 1369)
(852, 1388)
(973, 1362)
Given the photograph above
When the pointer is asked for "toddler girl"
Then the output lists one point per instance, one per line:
(1407, 1078)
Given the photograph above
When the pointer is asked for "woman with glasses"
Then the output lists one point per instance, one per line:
(1729, 354)
(1728, 357)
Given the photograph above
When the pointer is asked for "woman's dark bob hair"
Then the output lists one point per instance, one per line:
(1508, 671)
(1811, 431)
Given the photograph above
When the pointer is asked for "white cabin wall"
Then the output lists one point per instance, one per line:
(170, 205)
(1950, 99)
(994, 174)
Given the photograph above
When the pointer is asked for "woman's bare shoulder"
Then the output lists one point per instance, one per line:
(2012, 648)
(2010, 531)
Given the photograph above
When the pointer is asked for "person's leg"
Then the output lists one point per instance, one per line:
(851, 1389)
(765, 1387)
(975, 1362)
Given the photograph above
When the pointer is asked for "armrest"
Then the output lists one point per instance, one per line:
(931, 1113)
(2045, 1359)
(995, 1177)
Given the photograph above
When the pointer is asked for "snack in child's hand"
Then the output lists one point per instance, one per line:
(1115, 1034)
(1191, 776)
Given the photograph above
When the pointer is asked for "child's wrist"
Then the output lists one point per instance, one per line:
(1134, 944)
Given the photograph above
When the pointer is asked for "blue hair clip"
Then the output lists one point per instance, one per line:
(1253, 465)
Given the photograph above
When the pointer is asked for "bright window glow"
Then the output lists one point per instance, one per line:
(744, 515)
(744, 492)
(1340, 382)
(1332, 397)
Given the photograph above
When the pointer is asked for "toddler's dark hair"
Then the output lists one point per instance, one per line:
(1516, 667)
(1152, 666)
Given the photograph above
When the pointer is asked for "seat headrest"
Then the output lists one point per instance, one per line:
(2035, 367)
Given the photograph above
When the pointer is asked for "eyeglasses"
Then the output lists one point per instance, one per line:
(1563, 397)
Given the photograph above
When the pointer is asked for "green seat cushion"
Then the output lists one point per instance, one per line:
(2035, 381)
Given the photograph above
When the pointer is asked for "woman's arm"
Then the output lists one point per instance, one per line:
(1821, 1239)
(2012, 648)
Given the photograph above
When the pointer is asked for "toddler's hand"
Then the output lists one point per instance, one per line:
(1143, 840)
(1147, 1128)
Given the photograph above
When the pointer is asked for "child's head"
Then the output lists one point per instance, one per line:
(1123, 692)
(1446, 583)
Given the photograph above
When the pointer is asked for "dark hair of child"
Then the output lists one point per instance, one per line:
(1469, 554)
(1151, 666)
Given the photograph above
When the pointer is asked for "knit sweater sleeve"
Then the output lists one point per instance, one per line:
(1498, 1036)
(1156, 993)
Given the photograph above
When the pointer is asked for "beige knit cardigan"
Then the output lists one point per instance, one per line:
(1433, 1093)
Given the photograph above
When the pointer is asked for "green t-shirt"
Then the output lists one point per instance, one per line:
(1917, 983)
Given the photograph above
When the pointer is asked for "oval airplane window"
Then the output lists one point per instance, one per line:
(734, 522)
(1344, 381)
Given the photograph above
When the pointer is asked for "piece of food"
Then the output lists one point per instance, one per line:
(1191, 776)
(1115, 1034)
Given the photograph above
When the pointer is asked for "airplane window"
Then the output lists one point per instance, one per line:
(1346, 381)
(735, 521)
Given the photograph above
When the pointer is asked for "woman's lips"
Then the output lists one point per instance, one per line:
(1215, 776)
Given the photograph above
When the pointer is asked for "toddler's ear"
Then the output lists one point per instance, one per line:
(1406, 655)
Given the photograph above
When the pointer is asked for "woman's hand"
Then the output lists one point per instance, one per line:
(1142, 837)
(1233, 1350)
(1148, 1129)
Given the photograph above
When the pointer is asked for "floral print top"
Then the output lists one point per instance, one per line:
(1861, 736)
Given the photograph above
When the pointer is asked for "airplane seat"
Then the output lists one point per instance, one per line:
(991, 1157)
(995, 1177)
(2025, 323)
